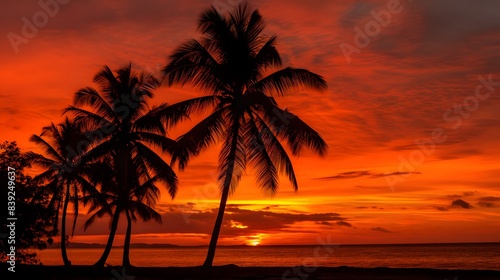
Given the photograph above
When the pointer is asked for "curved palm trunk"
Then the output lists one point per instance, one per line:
(126, 246)
(218, 223)
(109, 244)
(222, 207)
(64, 253)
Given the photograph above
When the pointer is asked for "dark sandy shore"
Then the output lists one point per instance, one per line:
(244, 273)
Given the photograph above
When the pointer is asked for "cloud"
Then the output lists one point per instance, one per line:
(398, 173)
(490, 198)
(454, 196)
(486, 204)
(338, 223)
(346, 175)
(470, 193)
(355, 13)
(343, 224)
(459, 203)
(188, 219)
(456, 19)
(372, 187)
(488, 201)
(272, 206)
(381, 229)
(324, 223)
(464, 194)
(363, 173)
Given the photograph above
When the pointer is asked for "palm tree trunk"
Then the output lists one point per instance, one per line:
(223, 200)
(109, 244)
(126, 246)
(64, 253)
(215, 233)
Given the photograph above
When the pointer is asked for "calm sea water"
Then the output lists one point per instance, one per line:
(445, 256)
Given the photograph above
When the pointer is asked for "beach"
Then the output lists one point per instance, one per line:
(234, 272)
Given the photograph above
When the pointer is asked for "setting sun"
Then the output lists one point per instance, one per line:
(254, 240)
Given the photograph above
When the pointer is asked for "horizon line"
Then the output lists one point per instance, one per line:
(56, 244)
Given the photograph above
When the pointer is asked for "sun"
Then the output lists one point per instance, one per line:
(255, 242)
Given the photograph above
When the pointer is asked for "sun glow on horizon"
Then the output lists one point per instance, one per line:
(254, 240)
(254, 243)
(403, 165)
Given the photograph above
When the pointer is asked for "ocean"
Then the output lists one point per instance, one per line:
(442, 256)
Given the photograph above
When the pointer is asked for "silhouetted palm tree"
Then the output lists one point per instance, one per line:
(64, 171)
(122, 127)
(231, 62)
(139, 201)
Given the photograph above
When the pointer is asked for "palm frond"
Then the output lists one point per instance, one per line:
(199, 137)
(159, 166)
(277, 151)
(193, 64)
(98, 214)
(47, 148)
(286, 79)
(172, 114)
(268, 56)
(45, 176)
(109, 83)
(148, 191)
(254, 27)
(297, 133)
(91, 98)
(260, 159)
(145, 212)
(232, 157)
(151, 121)
(157, 141)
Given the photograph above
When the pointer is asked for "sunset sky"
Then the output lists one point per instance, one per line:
(411, 114)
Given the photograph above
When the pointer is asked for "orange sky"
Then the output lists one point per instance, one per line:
(403, 86)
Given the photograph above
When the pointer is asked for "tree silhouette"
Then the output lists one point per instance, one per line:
(35, 224)
(231, 62)
(124, 130)
(64, 174)
(140, 201)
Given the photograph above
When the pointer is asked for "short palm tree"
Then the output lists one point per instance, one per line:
(64, 174)
(232, 62)
(139, 201)
(123, 128)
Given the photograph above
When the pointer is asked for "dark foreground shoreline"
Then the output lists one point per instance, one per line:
(244, 273)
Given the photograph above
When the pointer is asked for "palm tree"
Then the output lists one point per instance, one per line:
(140, 201)
(123, 128)
(64, 171)
(230, 62)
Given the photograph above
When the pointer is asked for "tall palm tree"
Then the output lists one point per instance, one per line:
(230, 62)
(64, 172)
(122, 127)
